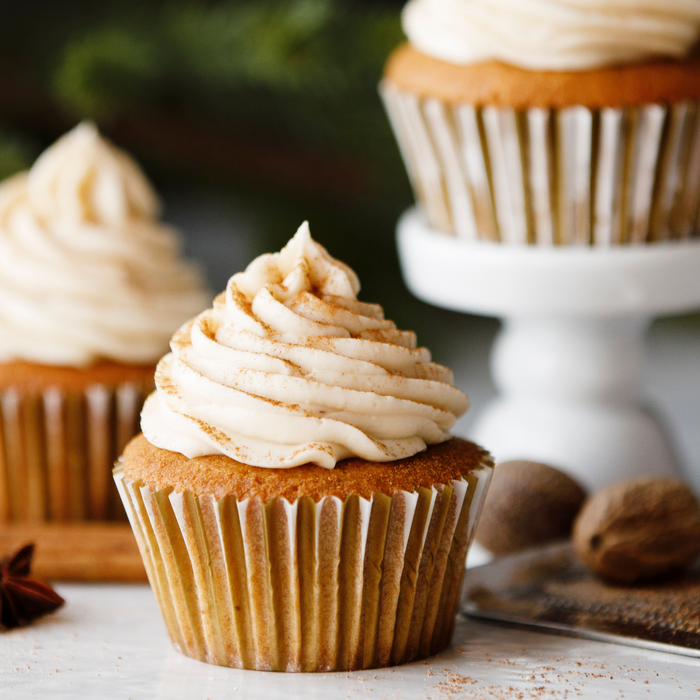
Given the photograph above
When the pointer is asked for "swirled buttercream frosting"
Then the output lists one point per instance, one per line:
(87, 272)
(552, 34)
(289, 368)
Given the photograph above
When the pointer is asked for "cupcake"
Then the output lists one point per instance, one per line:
(551, 122)
(91, 288)
(295, 495)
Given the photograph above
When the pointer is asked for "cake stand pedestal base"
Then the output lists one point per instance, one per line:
(568, 360)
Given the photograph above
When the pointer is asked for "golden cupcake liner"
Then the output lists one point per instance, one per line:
(573, 176)
(304, 586)
(57, 450)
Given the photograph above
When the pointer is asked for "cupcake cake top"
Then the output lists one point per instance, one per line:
(558, 35)
(87, 272)
(289, 368)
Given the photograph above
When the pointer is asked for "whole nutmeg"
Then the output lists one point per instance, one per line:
(528, 503)
(636, 530)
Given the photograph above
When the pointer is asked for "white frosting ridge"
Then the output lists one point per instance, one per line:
(289, 368)
(87, 272)
(552, 34)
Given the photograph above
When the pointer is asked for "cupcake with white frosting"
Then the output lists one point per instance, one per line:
(296, 495)
(92, 285)
(551, 122)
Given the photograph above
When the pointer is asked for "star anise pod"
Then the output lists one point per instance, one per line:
(23, 599)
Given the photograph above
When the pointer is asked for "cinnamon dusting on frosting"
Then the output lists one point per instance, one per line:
(289, 368)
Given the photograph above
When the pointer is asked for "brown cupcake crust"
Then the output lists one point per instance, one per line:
(27, 376)
(501, 85)
(220, 476)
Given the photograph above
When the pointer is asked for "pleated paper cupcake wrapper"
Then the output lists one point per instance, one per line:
(573, 176)
(304, 586)
(57, 450)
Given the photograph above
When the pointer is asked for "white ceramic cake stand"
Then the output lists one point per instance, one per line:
(568, 359)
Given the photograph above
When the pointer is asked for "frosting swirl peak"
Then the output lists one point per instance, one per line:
(87, 272)
(289, 368)
(82, 178)
(552, 34)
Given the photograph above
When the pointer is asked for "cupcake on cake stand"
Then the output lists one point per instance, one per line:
(557, 175)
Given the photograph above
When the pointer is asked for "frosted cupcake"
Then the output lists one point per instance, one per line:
(91, 288)
(551, 122)
(296, 496)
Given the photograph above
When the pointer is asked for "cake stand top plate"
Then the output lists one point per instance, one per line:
(494, 279)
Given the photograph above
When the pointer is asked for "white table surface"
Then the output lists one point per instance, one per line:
(109, 642)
